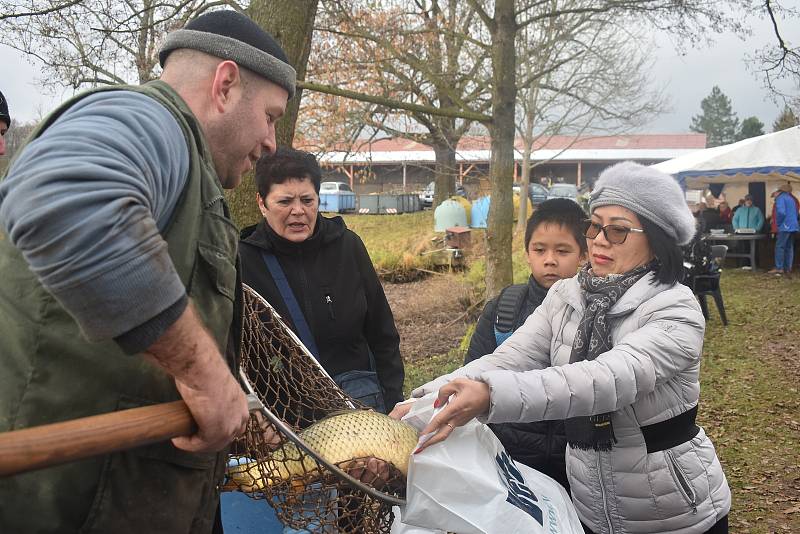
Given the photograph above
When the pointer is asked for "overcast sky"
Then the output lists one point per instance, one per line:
(688, 79)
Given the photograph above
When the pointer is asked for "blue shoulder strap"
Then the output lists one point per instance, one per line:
(299, 320)
(508, 304)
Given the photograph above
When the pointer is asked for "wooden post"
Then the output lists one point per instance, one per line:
(351, 176)
(580, 169)
(404, 177)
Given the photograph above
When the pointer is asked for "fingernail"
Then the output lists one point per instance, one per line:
(436, 403)
(416, 451)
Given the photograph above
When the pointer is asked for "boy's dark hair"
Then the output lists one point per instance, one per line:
(560, 211)
(666, 250)
(285, 164)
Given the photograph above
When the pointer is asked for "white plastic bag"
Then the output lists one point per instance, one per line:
(398, 527)
(468, 484)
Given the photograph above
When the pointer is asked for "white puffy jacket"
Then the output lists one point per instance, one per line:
(651, 375)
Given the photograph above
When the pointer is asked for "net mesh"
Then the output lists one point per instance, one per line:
(303, 491)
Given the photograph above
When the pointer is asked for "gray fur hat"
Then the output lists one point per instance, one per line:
(648, 193)
(230, 35)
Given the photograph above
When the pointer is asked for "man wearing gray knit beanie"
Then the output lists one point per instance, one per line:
(135, 303)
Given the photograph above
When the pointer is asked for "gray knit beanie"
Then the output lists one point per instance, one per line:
(648, 193)
(230, 35)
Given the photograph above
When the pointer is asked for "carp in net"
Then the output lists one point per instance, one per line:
(321, 474)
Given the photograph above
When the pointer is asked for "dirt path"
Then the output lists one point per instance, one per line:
(428, 314)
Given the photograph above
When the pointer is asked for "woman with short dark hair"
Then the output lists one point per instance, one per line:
(341, 313)
(616, 352)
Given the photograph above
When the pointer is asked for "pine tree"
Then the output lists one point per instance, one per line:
(751, 127)
(786, 119)
(717, 120)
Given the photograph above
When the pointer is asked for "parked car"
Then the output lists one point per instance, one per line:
(426, 196)
(336, 197)
(333, 187)
(569, 191)
(536, 192)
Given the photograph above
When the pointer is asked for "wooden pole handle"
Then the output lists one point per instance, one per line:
(58, 443)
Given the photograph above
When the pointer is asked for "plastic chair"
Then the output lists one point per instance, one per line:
(708, 284)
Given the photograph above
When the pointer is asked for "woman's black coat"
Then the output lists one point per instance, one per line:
(336, 286)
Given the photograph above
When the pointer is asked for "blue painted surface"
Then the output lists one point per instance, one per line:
(337, 202)
(479, 213)
(244, 515)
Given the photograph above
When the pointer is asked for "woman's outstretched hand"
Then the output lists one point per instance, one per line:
(468, 399)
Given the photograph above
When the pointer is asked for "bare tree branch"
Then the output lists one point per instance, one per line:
(395, 104)
(40, 12)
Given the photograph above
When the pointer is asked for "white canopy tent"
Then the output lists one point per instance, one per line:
(772, 157)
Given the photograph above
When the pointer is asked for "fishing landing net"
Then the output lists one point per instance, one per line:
(307, 491)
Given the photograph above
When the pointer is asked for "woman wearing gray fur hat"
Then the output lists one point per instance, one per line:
(615, 351)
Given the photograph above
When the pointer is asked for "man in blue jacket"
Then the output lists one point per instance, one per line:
(786, 224)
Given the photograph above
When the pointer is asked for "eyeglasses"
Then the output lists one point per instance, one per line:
(616, 234)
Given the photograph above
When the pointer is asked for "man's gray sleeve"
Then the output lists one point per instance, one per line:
(85, 203)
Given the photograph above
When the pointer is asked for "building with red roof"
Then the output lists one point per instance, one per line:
(402, 164)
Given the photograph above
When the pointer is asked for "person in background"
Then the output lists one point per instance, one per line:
(616, 351)
(344, 318)
(748, 216)
(555, 248)
(118, 278)
(725, 213)
(711, 217)
(5, 123)
(737, 206)
(784, 225)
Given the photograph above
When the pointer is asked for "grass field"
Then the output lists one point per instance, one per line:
(750, 377)
(749, 399)
(395, 242)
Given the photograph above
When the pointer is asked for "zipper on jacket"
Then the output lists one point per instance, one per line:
(329, 302)
(603, 493)
(682, 481)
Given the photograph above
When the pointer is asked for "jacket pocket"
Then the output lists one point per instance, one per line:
(362, 386)
(681, 480)
(213, 290)
(216, 265)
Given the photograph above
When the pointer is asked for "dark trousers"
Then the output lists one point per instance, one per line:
(720, 527)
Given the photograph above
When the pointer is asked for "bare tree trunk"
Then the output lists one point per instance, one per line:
(524, 188)
(291, 22)
(504, 92)
(445, 171)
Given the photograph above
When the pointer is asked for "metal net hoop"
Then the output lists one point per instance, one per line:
(304, 491)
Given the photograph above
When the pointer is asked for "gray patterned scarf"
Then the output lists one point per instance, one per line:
(592, 339)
